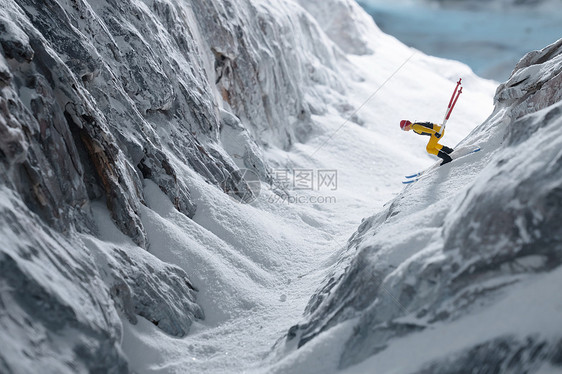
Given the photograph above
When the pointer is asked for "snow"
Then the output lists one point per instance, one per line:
(256, 265)
(536, 311)
(455, 221)
(529, 307)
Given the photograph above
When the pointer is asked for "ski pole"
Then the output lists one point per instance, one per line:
(447, 112)
(451, 105)
(454, 102)
(456, 88)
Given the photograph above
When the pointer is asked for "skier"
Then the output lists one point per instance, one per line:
(435, 133)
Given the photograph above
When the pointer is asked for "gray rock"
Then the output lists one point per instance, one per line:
(52, 300)
(96, 97)
(501, 355)
(159, 292)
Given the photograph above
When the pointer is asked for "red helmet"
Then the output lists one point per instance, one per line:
(404, 123)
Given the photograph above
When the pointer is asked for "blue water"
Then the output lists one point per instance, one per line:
(490, 41)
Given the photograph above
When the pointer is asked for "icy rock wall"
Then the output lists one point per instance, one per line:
(534, 84)
(268, 59)
(419, 264)
(52, 302)
(95, 97)
(110, 89)
(59, 296)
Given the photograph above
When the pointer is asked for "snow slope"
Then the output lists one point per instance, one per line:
(459, 272)
(120, 124)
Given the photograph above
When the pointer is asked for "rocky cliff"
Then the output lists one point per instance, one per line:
(97, 97)
(459, 272)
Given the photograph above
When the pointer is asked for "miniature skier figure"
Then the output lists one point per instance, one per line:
(435, 133)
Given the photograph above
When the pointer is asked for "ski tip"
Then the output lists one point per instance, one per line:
(413, 175)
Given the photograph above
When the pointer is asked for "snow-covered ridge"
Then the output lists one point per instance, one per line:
(459, 273)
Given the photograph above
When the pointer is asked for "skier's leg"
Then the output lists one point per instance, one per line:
(434, 148)
(447, 150)
(445, 157)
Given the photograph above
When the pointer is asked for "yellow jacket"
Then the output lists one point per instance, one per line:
(426, 128)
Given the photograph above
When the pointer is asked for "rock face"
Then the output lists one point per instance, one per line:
(97, 96)
(111, 91)
(53, 302)
(465, 240)
(60, 296)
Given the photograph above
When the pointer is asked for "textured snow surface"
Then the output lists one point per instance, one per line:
(122, 251)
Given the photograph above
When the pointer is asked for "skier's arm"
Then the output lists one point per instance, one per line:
(427, 128)
(438, 130)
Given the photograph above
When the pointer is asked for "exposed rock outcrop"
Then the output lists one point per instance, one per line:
(56, 312)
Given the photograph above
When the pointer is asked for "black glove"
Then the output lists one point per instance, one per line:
(437, 135)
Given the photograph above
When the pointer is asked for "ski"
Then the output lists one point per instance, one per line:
(457, 154)
(412, 178)
(410, 181)
(476, 150)
(414, 175)
(466, 154)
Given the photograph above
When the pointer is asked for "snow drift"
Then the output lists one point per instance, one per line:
(465, 260)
